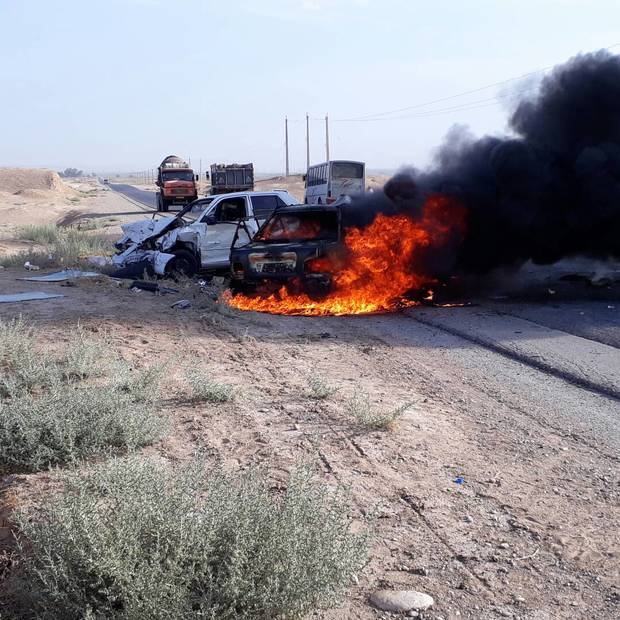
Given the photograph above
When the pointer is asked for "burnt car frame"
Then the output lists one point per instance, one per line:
(298, 246)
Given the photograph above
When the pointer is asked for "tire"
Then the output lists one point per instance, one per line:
(158, 203)
(165, 205)
(184, 263)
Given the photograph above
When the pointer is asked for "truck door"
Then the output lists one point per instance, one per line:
(221, 227)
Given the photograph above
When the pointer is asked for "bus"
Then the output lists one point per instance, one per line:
(327, 182)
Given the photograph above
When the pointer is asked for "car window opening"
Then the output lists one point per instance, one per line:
(300, 227)
(231, 210)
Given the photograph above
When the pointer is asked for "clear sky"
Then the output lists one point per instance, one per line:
(118, 84)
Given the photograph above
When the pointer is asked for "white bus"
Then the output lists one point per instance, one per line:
(327, 182)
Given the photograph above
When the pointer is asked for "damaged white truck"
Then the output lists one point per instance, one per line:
(197, 238)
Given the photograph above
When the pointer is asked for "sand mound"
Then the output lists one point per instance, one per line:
(21, 180)
(36, 194)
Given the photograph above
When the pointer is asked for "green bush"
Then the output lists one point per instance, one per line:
(142, 385)
(205, 389)
(50, 413)
(72, 422)
(66, 246)
(133, 539)
(85, 357)
(43, 234)
(23, 367)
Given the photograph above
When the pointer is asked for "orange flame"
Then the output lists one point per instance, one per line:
(380, 268)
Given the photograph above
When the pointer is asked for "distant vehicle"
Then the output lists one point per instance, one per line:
(327, 182)
(176, 182)
(227, 178)
(199, 237)
(106, 181)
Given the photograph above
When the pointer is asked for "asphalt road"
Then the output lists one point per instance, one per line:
(139, 195)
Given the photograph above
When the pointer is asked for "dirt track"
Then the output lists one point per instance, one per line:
(532, 530)
(536, 516)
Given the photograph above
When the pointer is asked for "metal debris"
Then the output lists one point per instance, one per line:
(33, 296)
(61, 276)
(182, 304)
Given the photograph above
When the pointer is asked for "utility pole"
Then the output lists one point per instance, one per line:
(326, 138)
(307, 141)
(286, 143)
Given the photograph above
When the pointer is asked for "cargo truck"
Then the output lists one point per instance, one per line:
(176, 183)
(228, 178)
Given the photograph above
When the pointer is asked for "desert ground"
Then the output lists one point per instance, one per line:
(495, 491)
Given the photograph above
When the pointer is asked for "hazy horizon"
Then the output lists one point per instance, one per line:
(117, 85)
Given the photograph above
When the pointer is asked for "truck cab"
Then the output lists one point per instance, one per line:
(176, 183)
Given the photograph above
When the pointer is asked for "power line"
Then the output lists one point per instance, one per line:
(441, 99)
(470, 105)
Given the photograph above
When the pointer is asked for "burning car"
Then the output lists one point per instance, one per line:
(299, 246)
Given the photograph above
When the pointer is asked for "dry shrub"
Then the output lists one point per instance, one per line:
(320, 389)
(360, 408)
(133, 539)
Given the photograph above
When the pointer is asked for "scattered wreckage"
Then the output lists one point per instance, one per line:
(198, 238)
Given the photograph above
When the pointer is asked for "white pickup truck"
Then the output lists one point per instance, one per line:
(199, 237)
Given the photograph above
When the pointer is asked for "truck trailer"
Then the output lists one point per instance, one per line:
(228, 178)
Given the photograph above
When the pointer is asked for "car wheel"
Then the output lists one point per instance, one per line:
(164, 204)
(184, 263)
(158, 204)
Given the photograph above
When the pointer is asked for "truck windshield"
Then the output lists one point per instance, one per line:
(313, 225)
(178, 175)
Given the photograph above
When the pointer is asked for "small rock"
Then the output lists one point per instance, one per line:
(401, 600)
(504, 545)
(468, 519)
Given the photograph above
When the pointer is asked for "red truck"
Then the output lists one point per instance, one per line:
(176, 182)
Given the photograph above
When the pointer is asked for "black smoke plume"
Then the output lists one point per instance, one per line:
(550, 192)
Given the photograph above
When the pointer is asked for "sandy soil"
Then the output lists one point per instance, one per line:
(531, 532)
(65, 203)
